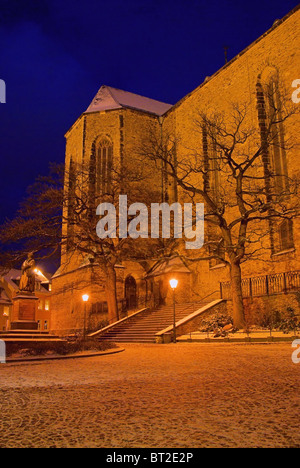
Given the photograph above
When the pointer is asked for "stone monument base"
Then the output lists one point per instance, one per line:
(24, 312)
(24, 325)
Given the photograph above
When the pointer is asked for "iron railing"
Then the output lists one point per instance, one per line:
(265, 285)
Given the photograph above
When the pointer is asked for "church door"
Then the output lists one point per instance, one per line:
(130, 293)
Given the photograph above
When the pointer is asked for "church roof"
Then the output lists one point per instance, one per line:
(109, 98)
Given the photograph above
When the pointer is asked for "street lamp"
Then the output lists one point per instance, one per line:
(173, 284)
(85, 299)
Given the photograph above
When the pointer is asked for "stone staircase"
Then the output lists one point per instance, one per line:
(142, 328)
(27, 336)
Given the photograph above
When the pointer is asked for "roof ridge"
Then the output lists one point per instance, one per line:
(109, 98)
(275, 25)
(109, 88)
(135, 94)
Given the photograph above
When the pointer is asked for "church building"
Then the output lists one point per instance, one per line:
(118, 126)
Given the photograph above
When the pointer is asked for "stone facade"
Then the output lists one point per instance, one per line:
(277, 49)
(125, 125)
(76, 276)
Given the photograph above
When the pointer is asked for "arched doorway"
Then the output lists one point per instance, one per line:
(130, 293)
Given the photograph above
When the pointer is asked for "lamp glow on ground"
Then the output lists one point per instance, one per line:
(174, 283)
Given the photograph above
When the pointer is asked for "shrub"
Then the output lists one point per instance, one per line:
(285, 321)
(64, 348)
(289, 322)
(270, 319)
(214, 322)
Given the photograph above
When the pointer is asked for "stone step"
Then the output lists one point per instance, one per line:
(31, 339)
(135, 331)
(24, 332)
(18, 337)
(142, 329)
(159, 326)
(132, 340)
(142, 324)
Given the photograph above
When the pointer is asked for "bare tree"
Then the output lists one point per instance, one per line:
(37, 224)
(59, 214)
(81, 234)
(239, 170)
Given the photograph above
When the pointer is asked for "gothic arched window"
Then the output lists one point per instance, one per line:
(277, 150)
(71, 187)
(286, 238)
(272, 131)
(104, 165)
(211, 177)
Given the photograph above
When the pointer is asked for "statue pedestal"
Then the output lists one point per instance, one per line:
(24, 312)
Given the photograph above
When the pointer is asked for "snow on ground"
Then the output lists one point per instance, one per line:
(186, 395)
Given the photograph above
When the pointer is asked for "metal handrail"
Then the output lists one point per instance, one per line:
(205, 297)
(264, 285)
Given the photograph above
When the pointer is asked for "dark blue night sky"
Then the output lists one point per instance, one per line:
(55, 55)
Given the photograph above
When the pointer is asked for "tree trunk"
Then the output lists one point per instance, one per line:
(111, 294)
(237, 295)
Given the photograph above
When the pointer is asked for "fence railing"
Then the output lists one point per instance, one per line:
(265, 285)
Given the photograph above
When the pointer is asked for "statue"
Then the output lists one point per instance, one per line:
(27, 282)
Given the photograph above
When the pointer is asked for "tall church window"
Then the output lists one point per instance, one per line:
(215, 171)
(274, 159)
(211, 177)
(104, 166)
(277, 151)
(286, 238)
(272, 131)
(71, 200)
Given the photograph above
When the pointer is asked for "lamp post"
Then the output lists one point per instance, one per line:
(85, 299)
(173, 284)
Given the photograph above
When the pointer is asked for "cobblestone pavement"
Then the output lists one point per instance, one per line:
(155, 396)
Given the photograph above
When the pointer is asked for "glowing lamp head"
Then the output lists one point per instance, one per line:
(173, 283)
(85, 297)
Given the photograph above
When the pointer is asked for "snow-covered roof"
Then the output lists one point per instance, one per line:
(4, 299)
(168, 265)
(109, 98)
(15, 275)
(12, 276)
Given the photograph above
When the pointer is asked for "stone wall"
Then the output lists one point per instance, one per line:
(67, 303)
(257, 308)
(125, 129)
(194, 322)
(278, 49)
